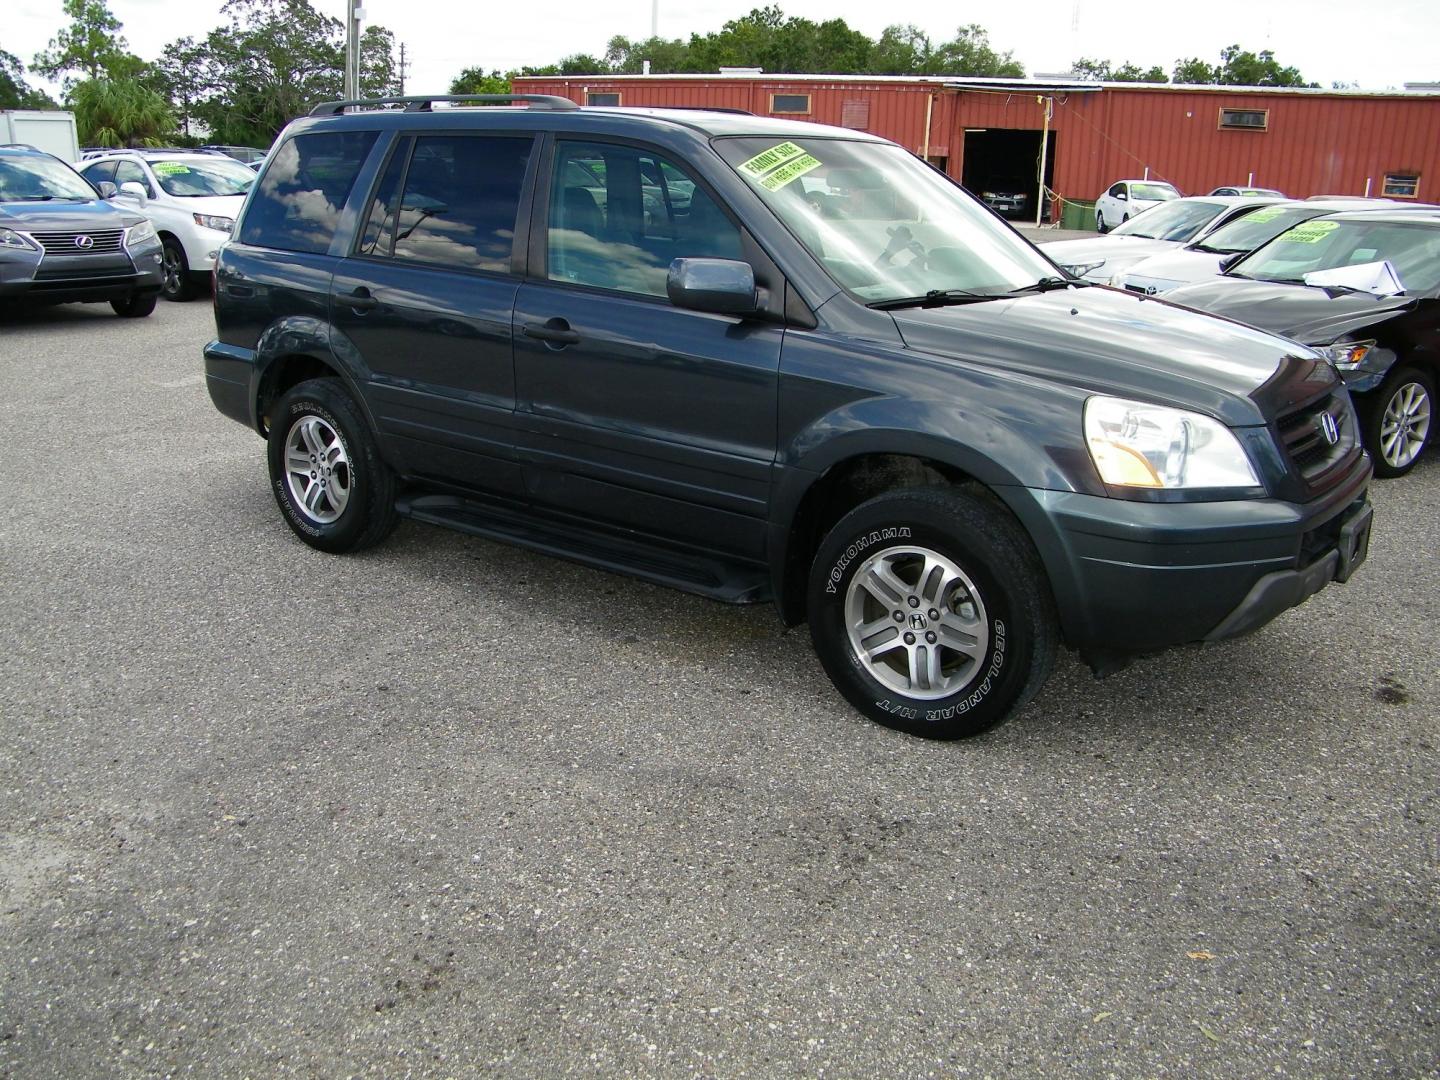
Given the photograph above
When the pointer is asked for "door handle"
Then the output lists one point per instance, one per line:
(556, 331)
(359, 300)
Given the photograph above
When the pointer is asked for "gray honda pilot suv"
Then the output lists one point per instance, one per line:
(62, 242)
(763, 360)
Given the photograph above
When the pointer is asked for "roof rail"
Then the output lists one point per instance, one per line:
(20, 146)
(425, 104)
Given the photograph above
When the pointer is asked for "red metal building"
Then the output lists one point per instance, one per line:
(985, 132)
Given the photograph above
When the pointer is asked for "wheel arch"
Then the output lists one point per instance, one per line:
(822, 489)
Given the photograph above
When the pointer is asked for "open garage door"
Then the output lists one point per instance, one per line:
(1002, 166)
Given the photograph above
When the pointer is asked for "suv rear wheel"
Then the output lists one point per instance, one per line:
(333, 489)
(931, 613)
(134, 306)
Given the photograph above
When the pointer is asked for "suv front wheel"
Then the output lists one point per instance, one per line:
(333, 489)
(931, 613)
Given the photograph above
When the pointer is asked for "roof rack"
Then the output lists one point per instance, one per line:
(20, 146)
(426, 103)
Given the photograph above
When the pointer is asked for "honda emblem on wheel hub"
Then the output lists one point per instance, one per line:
(917, 622)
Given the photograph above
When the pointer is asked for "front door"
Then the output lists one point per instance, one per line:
(633, 411)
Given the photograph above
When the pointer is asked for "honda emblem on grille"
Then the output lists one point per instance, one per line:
(1329, 428)
(86, 242)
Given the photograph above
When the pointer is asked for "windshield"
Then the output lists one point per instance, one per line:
(1256, 228)
(1178, 220)
(193, 177)
(40, 179)
(1153, 192)
(885, 225)
(1327, 244)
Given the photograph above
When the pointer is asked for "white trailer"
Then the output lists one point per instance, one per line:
(51, 130)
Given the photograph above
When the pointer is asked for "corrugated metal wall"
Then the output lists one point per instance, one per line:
(1312, 144)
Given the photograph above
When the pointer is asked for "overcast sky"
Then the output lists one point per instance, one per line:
(1376, 45)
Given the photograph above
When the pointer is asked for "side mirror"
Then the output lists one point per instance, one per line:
(1122, 196)
(135, 190)
(107, 189)
(718, 286)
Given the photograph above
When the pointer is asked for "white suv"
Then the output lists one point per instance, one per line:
(192, 198)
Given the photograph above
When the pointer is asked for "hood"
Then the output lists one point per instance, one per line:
(65, 216)
(1117, 253)
(1107, 341)
(217, 205)
(1182, 265)
(1303, 312)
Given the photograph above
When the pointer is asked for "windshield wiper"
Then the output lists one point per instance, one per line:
(1049, 284)
(935, 298)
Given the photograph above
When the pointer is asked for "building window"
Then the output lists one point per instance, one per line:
(789, 103)
(1245, 119)
(1401, 185)
(855, 114)
(602, 99)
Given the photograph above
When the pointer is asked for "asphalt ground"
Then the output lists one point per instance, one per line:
(452, 809)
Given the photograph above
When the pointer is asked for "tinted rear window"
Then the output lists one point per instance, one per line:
(297, 203)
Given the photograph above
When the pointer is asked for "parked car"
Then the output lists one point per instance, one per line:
(1124, 199)
(1362, 288)
(61, 242)
(1167, 227)
(1206, 256)
(192, 198)
(1265, 191)
(1008, 197)
(884, 410)
(246, 155)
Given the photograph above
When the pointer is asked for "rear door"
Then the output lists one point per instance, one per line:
(425, 301)
(633, 411)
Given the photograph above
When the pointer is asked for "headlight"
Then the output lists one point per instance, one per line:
(9, 238)
(1081, 269)
(1151, 446)
(138, 234)
(1346, 355)
(990, 195)
(219, 224)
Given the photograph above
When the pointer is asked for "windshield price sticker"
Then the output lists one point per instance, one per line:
(1310, 232)
(1265, 213)
(169, 168)
(780, 165)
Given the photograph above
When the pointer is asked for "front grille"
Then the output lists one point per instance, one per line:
(105, 241)
(1303, 435)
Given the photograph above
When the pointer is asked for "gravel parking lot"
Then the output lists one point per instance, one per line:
(448, 808)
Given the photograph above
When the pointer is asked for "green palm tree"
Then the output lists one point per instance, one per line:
(115, 113)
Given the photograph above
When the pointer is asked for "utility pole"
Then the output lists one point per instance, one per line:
(403, 65)
(353, 15)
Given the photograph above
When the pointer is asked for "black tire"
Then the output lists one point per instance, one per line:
(1100, 222)
(1409, 395)
(134, 306)
(1000, 591)
(178, 283)
(1124, 219)
(366, 513)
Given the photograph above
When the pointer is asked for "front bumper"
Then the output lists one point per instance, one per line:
(1134, 577)
(81, 278)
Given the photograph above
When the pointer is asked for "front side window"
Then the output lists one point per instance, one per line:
(1413, 250)
(296, 205)
(619, 215)
(104, 170)
(1180, 220)
(193, 178)
(885, 225)
(457, 202)
(129, 172)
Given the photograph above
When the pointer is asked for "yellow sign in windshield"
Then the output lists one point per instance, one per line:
(780, 165)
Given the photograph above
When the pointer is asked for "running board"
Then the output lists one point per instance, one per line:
(731, 581)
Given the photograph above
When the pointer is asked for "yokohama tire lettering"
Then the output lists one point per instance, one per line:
(857, 547)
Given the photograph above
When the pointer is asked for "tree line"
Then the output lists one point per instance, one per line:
(271, 60)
